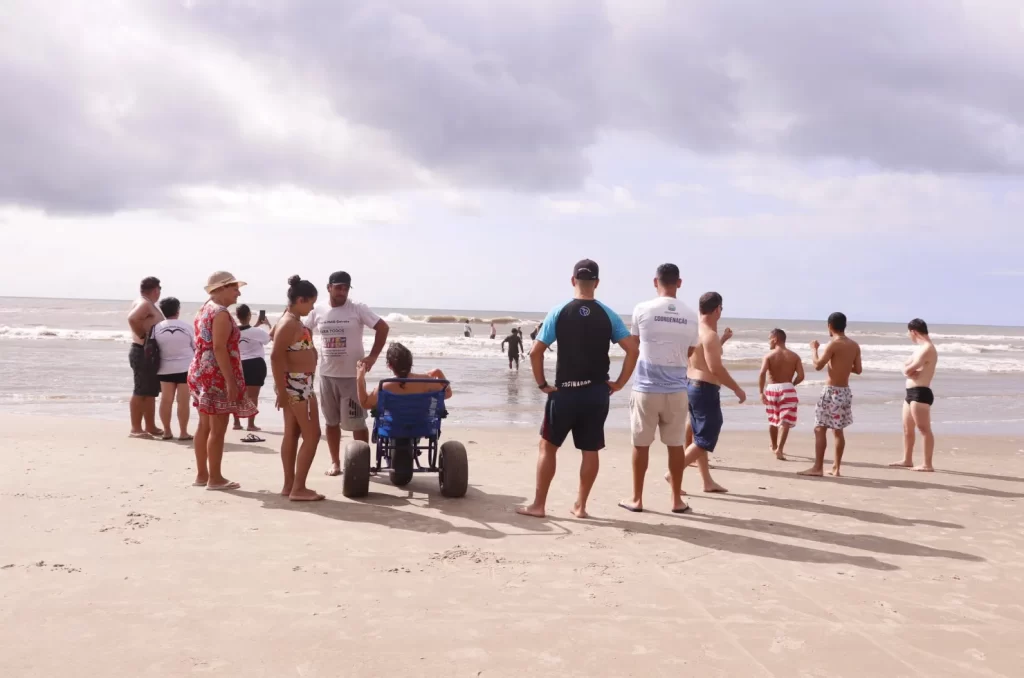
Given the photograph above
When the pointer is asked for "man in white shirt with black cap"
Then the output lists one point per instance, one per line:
(341, 323)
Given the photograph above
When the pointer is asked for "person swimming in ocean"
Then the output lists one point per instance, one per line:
(494, 331)
(515, 348)
(467, 331)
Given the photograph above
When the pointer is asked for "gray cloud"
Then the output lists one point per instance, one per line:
(117, 108)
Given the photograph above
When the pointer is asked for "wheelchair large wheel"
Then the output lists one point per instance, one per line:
(401, 462)
(453, 474)
(355, 479)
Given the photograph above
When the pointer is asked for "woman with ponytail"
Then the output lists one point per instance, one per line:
(293, 364)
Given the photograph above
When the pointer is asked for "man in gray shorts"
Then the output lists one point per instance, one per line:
(341, 325)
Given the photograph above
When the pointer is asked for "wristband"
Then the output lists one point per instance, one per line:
(544, 385)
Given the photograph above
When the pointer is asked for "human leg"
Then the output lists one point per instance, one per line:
(545, 474)
(922, 416)
(308, 420)
(908, 439)
(168, 389)
(184, 411)
(215, 452)
(201, 444)
(253, 394)
(820, 443)
(837, 463)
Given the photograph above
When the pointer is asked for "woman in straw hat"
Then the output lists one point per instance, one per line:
(215, 379)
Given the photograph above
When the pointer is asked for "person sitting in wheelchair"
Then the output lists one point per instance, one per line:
(399, 361)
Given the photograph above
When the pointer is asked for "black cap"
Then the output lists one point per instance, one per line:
(585, 269)
(340, 278)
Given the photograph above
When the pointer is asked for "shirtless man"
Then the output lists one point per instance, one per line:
(706, 375)
(141, 319)
(835, 406)
(917, 410)
(781, 371)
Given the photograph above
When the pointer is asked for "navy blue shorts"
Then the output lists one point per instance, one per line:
(580, 411)
(705, 413)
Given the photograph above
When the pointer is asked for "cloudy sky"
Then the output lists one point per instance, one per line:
(798, 156)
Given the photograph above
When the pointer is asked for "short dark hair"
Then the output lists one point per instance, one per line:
(779, 334)
(149, 284)
(399, 359)
(918, 325)
(709, 301)
(243, 312)
(300, 289)
(837, 321)
(170, 307)
(668, 274)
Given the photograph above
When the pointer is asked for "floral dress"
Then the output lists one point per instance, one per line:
(205, 379)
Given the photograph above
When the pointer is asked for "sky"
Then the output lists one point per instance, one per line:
(799, 157)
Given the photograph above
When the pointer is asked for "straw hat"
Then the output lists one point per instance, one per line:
(221, 279)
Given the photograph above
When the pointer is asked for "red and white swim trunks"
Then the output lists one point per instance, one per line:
(781, 404)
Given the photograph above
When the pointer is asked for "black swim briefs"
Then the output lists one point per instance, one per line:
(920, 394)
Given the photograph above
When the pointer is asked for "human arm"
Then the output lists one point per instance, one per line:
(366, 400)
(820, 362)
(726, 335)
(436, 373)
(858, 368)
(137, 320)
(503, 342)
(537, 365)
(222, 327)
(713, 356)
(286, 331)
(631, 345)
(799, 371)
(380, 337)
(762, 379)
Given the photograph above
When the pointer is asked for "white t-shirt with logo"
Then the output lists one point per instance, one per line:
(341, 335)
(177, 342)
(667, 329)
(252, 343)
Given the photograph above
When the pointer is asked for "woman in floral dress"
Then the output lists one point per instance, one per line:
(215, 379)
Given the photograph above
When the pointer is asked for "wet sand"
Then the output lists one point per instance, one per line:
(112, 565)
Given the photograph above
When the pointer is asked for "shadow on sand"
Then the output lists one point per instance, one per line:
(827, 509)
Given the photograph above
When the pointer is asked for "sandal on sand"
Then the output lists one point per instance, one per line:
(253, 438)
(167, 436)
(185, 438)
(142, 435)
(631, 509)
(218, 488)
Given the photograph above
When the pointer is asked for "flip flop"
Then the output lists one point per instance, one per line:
(142, 436)
(220, 488)
(186, 438)
(682, 510)
(629, 508)
(253, 438)
(167, 436)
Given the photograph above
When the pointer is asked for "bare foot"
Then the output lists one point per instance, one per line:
(579, 511)
(634, 506)
(902, 464)
(668, 479)
(286, 491)
(813, 472)
(167, 436)
(237, 426)
(253, 428)
(531, 510)
(924, 469)
(834, 471)
(155, 432)
(714, 487)
(305, 495)
(780, 456)
(335, 470)
(200, 481)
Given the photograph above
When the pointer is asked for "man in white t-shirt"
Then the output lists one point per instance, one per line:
(668, 333)
(341, 325)
(176, 339)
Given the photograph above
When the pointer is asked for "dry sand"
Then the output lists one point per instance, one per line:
(114, 566)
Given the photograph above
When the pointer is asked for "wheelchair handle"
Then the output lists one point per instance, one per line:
(395, 380)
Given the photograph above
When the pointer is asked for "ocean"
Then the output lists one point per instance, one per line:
(70, 357)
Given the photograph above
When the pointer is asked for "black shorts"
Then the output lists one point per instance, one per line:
(255, 371)
(179, 378)
(513, 356)
(920, 394)
(581, 411)
(146, 383)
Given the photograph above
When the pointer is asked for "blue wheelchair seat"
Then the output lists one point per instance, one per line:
(409, 415)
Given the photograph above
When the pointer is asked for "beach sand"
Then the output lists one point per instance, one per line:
(114, 566)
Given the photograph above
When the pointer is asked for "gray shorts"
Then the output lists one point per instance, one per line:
(340, 404)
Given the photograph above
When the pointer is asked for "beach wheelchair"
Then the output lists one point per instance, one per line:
(405, 426)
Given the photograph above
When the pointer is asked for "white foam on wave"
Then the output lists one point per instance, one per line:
(43, 332)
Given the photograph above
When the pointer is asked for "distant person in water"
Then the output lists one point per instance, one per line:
(399, 361)
(293, 360)
(494, 331)
(467, 331)
(252, 346)
(515, 348)
(177, 342)
(141, 319)
(536, 331)
(835, 406)
(781, 372)
(917, 407)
